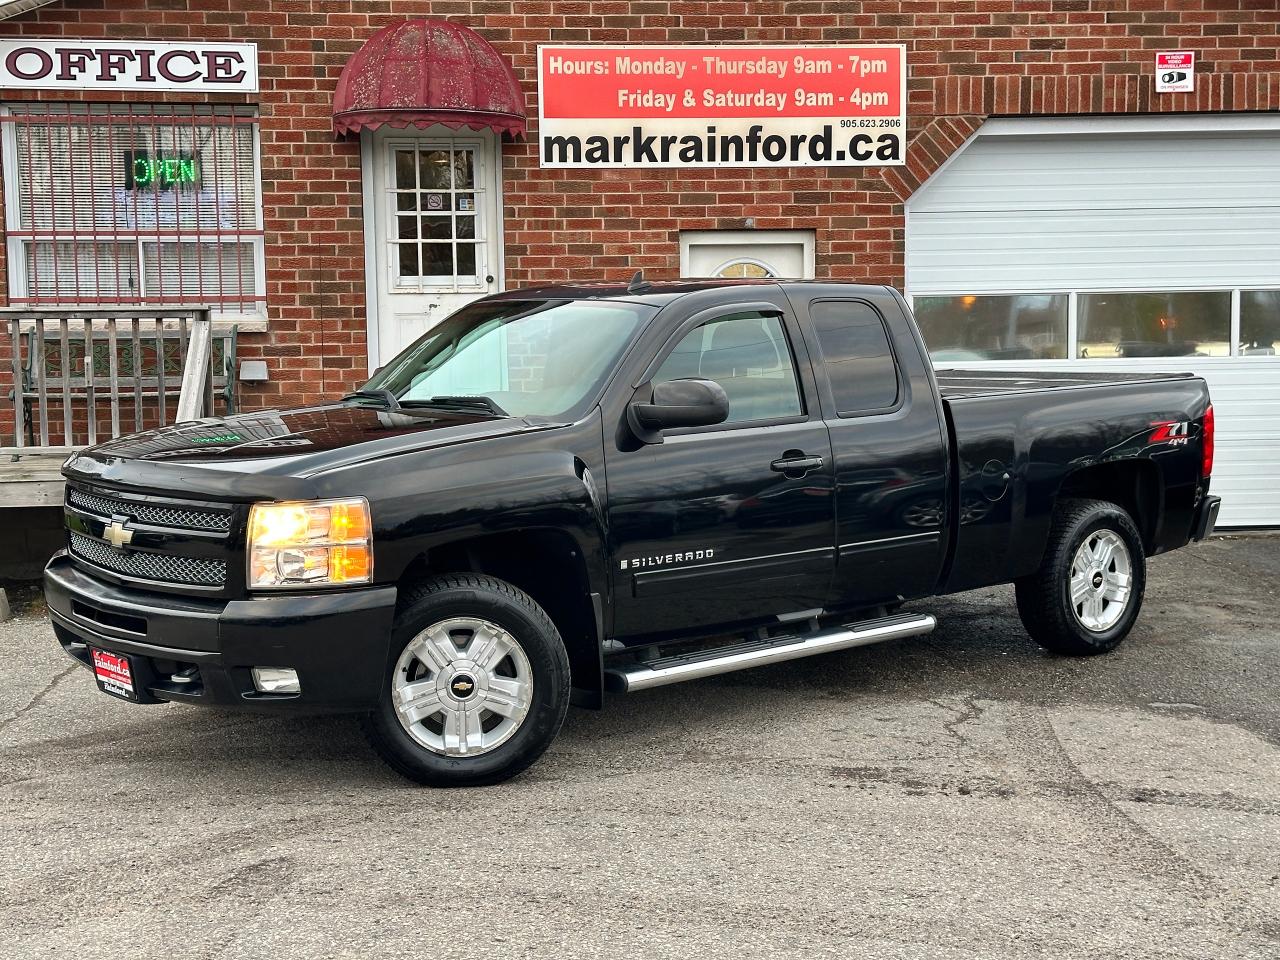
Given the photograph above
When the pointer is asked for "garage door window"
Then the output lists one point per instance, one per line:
(1018, 327)
(1259, 323)
(1187, 324)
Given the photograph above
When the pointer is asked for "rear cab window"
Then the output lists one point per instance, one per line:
(855, 349)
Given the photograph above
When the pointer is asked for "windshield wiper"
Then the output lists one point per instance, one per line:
(386, 397)
(471, 403)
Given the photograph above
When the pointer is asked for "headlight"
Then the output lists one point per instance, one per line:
(310, 543)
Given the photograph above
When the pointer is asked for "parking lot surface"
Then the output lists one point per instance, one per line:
(958, 795)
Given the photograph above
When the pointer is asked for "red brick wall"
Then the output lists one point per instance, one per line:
(968, 59)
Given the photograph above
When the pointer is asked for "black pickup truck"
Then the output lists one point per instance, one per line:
(563, 491)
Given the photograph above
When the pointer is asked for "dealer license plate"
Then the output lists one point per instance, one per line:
(114, 673)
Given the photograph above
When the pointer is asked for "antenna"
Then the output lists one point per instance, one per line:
(638, 283)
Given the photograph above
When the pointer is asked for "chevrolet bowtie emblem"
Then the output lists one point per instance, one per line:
(462, 686)
(117, 534)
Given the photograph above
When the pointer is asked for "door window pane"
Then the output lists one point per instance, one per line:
(433, 169)
(1029, 326)
(404, 170)
(748, 355)
(1259, 323)
(1154, 324)
(855, 349)
(466, 259)
(437, 260)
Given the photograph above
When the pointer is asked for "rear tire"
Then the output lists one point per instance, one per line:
(1088, 591)
(476, 687)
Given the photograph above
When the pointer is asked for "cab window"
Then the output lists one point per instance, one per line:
(748, 355)
(859, 361)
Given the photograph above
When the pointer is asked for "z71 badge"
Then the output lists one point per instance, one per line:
(1176, 432)
(663, 559)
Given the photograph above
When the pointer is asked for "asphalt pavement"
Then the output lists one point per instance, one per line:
(961, 795)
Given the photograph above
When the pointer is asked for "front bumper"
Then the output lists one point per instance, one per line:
(1206, 517)
(338, 642)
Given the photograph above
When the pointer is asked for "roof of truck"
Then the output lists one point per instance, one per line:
(656, 292)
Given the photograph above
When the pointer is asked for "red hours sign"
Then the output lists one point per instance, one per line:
(749, 106)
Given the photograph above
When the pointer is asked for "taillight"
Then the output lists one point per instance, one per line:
(1206, 444)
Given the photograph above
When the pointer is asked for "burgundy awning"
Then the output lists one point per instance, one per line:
(422, 72)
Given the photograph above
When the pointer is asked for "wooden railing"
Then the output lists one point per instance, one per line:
(80, 376)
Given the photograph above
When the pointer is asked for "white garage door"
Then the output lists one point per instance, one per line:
(1118, 244)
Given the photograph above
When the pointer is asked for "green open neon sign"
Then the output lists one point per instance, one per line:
(145, 172)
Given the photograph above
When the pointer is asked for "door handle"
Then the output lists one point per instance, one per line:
(795, 464)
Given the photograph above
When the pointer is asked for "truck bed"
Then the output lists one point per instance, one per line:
(961, 384)
(1017, 434)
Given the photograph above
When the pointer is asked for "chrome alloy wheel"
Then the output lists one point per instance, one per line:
(462, 687)
(1101, 580)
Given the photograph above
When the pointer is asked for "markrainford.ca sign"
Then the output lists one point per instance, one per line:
(749, 106)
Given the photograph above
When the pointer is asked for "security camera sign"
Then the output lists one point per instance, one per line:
(1176, 71)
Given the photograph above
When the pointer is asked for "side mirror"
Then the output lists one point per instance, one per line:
(678, 403)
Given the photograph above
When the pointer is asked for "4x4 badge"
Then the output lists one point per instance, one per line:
(117, 534)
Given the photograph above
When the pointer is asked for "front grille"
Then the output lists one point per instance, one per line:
(159, 515)
(163, 567)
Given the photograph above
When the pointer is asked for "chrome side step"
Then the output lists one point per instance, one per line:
(757, 653)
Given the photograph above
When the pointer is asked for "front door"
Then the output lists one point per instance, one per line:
(733, 523)
(434, 222)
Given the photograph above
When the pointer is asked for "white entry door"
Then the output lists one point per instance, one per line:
(433, 222)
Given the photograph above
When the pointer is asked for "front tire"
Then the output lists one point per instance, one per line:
(477, 684)
(1088, 591)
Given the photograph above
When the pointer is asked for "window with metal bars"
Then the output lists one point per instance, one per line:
(110, 204)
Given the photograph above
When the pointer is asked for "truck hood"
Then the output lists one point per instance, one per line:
(256, 454)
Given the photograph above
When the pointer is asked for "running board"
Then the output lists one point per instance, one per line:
(757, 653)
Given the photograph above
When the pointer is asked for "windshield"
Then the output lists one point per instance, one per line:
(525, 357)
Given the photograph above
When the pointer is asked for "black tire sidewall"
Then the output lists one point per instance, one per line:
(1104, 517)
(547, 661)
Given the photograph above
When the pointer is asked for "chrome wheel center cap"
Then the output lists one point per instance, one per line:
(462, 686)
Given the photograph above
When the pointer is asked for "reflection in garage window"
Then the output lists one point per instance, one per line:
(1019, 327)
(1196, 324)
(1259, 323)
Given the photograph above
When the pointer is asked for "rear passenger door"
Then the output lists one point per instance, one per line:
(888, 447)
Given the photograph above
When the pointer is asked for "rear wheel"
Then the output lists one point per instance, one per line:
(1088, 591)
(477, 686)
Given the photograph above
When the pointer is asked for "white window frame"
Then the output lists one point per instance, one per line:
(250, 321)
(483, 214)
(690, 239)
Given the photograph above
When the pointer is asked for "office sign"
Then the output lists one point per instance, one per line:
(128, 65)
(715, 106)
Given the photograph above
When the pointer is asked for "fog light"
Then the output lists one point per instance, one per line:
(276, 680)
